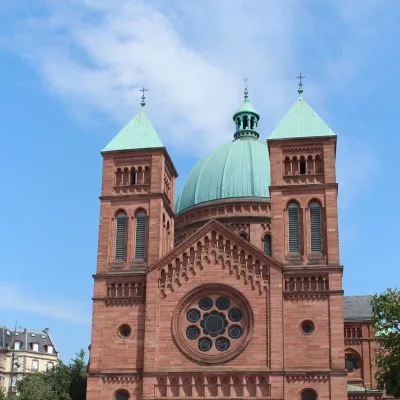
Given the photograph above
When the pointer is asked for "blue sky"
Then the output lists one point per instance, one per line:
(70, 73)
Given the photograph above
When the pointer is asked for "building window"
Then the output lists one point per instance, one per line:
(140, 245)
(315, 227)
(307, 327)
(50, 349)
(294, 227)
(122, 395)
(13, 381)
(50, 364)
(308, 394)
(35, 346)
(302, 165)
(35, 365)
(17, 345)
(244, 235)
(120, 236)
(124, 330)
(352, 362)
(267, 245)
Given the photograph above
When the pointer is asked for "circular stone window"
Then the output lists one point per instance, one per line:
(124, 331)
(307, 327)
(213, 323)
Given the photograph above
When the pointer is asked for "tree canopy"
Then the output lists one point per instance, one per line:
(63, 382)
(386, 322)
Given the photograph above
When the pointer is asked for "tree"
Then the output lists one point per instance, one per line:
(386, 322)
(63, 382)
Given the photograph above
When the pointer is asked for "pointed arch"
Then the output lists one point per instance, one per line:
(120, 235)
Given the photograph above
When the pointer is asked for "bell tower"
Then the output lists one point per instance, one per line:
(136, 229)
(304, 225)
(303, 188)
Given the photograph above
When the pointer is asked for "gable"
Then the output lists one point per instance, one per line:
(214, 244)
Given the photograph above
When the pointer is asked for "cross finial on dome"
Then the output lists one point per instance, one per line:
(143, 102)
(246, 91)
(300, 89)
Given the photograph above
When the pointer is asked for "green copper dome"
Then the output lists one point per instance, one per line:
(234, 170)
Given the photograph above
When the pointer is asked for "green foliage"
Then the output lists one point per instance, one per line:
(386, 322)
(63, 382)
(3, 395)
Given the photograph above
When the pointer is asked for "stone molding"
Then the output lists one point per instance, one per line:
(305, 296)
(222, 386)
(308, 378)
(121, 378)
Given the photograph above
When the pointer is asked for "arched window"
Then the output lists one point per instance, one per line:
(308, 394)
(245, 122)
(287, 166)
(120, 236)
(315, 227)
(122, 395)
(118, 179)
(302, 165)
(133, 176)
(318, 164)
(352, 362)
(140, 245)
(267, 245)
(294, 227)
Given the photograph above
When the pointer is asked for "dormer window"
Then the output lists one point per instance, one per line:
(17, 345)
(50, 349)
(35, 346)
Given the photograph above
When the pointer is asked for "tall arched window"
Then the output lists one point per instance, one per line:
(309, 394)
(140, 245)
(315, 227)
(294, 227)
(267, 245)
(122, 395)
(120, 236)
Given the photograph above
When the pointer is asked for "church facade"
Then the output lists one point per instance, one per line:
(233, 289)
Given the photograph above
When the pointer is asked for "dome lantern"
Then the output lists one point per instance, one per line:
(246, 118)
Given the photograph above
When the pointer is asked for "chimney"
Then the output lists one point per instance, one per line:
(46, 330)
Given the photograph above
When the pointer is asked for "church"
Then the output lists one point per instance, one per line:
(233, 288)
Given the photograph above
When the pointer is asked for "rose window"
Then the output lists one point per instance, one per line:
(214, 325)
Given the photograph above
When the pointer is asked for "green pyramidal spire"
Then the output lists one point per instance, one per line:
(301, 121)
(137, 134)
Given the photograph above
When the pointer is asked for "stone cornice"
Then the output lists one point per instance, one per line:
(304, 187)
(310, 269)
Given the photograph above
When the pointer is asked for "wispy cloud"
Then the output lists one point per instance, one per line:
(193, 57)
(19, 298)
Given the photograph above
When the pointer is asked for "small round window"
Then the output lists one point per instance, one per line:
(307, 327)
(124, 330)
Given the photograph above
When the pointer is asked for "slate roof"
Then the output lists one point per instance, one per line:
(26, 337)
(357, 308)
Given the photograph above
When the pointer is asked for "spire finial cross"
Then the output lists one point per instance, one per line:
(143, 90)
(246, 91)
(300, 89)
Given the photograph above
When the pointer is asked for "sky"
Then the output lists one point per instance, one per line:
(70, 74)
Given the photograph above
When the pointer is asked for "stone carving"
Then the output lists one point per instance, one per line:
(132, 160)
(306, 283)
(205, 386)
(309, 378)
(213, 249)
(125, 293)
(121, 378)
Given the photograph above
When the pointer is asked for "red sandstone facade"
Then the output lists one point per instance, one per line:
(293, 336)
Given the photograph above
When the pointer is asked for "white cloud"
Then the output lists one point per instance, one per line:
(193, 57)
(19, 298)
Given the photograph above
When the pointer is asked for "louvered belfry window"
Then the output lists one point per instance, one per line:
(140, 246)
(120, 236)
(267, 245)
(315, 227)
(294, 228)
